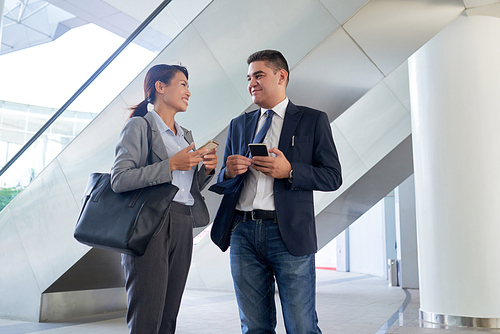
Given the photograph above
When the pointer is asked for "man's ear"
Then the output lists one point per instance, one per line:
(283, 76)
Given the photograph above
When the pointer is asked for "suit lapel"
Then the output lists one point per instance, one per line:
(157, 144)
(292, 118)
(188, 135)
(251, 120)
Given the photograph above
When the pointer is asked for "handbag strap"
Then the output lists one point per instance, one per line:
(150, 144)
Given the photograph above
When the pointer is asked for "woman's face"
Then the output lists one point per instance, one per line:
(176, 94)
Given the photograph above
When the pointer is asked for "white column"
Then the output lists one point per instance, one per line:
(455, 101)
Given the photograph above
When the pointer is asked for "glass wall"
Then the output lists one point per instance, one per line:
(39, 76)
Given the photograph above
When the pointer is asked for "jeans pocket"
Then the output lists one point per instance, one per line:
(237, 220)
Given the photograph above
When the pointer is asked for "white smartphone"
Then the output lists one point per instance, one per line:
(211, 145)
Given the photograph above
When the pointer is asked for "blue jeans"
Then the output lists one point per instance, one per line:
(258, 257)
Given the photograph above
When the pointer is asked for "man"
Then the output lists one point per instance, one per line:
(267, 212)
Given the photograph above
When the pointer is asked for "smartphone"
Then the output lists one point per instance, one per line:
(211, 145)
(258, 150)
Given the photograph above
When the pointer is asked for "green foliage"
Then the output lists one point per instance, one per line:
(7, 195)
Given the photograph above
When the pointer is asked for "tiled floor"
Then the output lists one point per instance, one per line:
(346, 303)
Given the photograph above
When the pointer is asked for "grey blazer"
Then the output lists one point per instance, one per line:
(130, 170)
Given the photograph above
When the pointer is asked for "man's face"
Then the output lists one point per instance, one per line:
(265, 87)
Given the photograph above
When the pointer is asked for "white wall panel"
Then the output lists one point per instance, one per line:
(375, 124)
(352, 168)
(333, 76)
(97, 151)
(47, 206)
(367, 242)
(14, 302)
(397, 82)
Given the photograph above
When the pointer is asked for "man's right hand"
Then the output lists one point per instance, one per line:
(236, 165)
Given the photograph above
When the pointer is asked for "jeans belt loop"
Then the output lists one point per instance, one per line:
(252, 214)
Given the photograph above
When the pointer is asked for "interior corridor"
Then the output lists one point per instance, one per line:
(346, 303)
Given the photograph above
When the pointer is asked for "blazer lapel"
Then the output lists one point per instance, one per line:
(188, 135)
(292, 119)
(232, 186)
(157, 145)
(251, 120)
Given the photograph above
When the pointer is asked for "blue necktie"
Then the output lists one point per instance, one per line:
(262, 132)
(232, 185)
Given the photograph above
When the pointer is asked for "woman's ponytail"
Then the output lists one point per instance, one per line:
(139, 110)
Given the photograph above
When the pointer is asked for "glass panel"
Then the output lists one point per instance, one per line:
(40, 77)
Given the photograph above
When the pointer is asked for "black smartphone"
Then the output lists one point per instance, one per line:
(258, 150)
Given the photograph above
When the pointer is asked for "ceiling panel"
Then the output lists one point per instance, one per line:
(76, 10)
(166, 24)
(214, 100)
(235, 29)
(342, 9)
(333, 76)
(389, 31)
(489, 10)
(184, 11)
(33, 29)
(97, 8)
(476, 3)
(137, 9)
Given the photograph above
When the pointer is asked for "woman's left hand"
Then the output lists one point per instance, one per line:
(210, 161)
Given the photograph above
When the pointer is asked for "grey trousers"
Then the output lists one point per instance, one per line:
(155, 281)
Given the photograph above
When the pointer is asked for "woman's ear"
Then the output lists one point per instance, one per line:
(159, 86)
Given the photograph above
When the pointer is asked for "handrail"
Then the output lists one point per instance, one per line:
(132, 36)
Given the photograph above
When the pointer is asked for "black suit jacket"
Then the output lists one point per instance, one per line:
(307, 142)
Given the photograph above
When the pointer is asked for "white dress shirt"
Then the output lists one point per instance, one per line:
(174, 143)
(258, 189)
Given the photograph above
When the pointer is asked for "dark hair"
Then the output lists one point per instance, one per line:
(161, 72)
(274, 59)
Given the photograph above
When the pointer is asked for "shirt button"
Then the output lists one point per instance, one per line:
(183, 172)
(182, 189)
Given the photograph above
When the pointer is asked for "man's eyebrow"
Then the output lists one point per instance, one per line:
(255, 73)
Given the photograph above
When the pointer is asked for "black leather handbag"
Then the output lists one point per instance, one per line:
(123, 222)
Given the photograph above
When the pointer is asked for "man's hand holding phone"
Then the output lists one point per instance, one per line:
(236, 165)
(277, 167)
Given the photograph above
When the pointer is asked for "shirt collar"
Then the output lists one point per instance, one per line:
(278, 109)
(162, 127)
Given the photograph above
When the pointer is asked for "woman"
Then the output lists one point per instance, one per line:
(155, 281)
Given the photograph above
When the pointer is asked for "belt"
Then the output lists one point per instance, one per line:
(257, 214)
